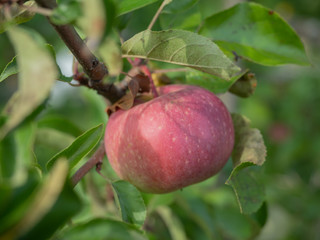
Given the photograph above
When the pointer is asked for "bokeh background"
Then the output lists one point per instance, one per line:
(285, 107)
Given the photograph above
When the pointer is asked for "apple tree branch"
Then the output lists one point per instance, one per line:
(95, 69)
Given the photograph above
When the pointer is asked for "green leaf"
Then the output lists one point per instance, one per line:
(208, 7)
(7, 158)
(79, 148)
(98, 229)
(261, 215)
(195, 209)
(48, 143)
(249, 189)
(249, 150)
(37, 76)
(181, 15)
(9, 70)
(111, 13)
(15, 201)
(18, 16)
(59, 123)
(158, 200)
(24, 157)
(233, 225)
(53, 204)
(126, 6)
(24, 137)
(130, 202)
(182, 48)
(210, 82)
(255, 33)
(97, 106)
(66, 12)
(172, 222)
(179, 6)
(66, 206)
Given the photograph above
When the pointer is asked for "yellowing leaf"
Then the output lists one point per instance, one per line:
(37, 75)
(249, 150)
(93, 20)
(181, 48)
(249, 146)
(111, 55)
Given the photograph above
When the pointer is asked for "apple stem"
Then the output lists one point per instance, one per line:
(146, 71)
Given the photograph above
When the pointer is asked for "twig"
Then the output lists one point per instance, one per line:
(96, 159)
(155, 17)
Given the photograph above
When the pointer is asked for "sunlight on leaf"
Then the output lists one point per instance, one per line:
(182, 48)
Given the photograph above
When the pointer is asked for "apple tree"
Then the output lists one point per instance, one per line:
(133, 141)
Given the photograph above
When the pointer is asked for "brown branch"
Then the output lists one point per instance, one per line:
(95, 160)
(95, 69)
(91, 65)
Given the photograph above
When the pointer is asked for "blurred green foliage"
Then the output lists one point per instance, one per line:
(284, 108)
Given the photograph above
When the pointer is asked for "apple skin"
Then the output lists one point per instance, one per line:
(182, 137)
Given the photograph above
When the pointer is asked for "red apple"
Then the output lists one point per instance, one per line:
(182, 137)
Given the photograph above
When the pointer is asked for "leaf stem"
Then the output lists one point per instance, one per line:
(95, 160)
(155, 17)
